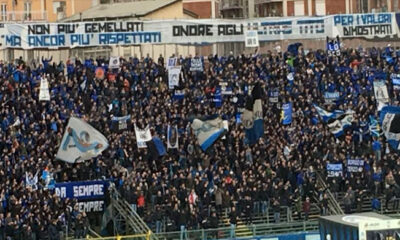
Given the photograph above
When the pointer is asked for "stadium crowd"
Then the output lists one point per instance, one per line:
(187, 184)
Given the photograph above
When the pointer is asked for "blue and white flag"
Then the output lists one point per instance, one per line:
(142, 136)
(31, 181)
(172, 62)
(390, 122)
(207, 132)
(338, 126)
(334, 170)
(374, 127)
(120, 123)
(226, 90)
(395, 81)
(80, 142)
(355, 165)
(217, 98)
(333, 47)
(331, 97)
(326, 116)
(179, 94)
(196, 64)
(253, 120)
(172, 137)
(273, 95)
(286, 114)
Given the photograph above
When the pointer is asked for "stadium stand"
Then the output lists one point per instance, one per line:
(232, 184)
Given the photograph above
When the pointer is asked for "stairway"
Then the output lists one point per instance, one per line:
(126, 221)
(333, 204)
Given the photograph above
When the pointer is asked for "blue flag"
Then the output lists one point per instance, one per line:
(238, 118)
(286, 115)
(159, 146)
(179, 94)
(334, 170)
(294, 48)
(218, 97)
(390, 122)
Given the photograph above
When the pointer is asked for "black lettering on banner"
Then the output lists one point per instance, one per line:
(385, 29)
(110, 27)
(230, 29)
(192, 30)
(65, 28)
(39, 29)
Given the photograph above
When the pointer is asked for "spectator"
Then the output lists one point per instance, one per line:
(376, 204)
(306, 208)
(2, 226)
(324, 205)
(53, 232)
(182, 221)
(79, 227)
(140, 204)
(233, 217)
(158, 219)
(348, 203)
(218, 199)
(277, 210)
(377, 148)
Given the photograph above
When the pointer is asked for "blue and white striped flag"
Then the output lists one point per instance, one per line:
(207, 132)
(326, 116)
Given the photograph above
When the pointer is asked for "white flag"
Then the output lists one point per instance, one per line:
(381, 94)
(173, 76)
(83, 85)
(80, 142)
(44, 94)
(251, 39)
(172, 137)
(225, 123)
(114, 62)
(142, 136)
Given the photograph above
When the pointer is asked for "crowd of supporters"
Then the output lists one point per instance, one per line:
(188, 185)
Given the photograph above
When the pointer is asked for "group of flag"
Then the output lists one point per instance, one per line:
(338, 121)
(82, 142)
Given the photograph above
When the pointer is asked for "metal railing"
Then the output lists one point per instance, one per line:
(254, 230)
(333, 205)
(130, 237)
(23, 16)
